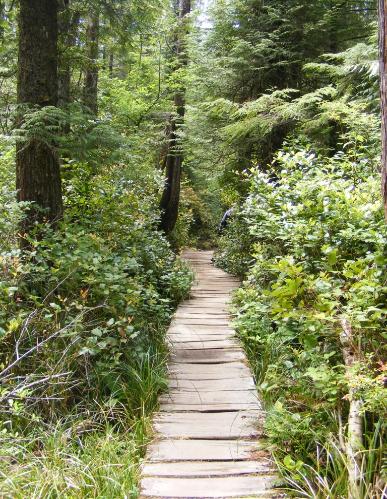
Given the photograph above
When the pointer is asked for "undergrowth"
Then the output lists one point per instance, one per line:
(313, 243)
(83, 317)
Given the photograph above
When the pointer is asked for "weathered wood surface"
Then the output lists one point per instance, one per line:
(209, 356)
(206, 469)
(247, 486)
(208, 432)
(208, 371)
(219, 384)
(169, 450)
(214, 426)
(206, 344)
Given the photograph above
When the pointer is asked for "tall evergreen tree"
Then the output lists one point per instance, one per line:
(174, 160)
(90, 89)
(383, 93)
(37, 162)
(68, 27)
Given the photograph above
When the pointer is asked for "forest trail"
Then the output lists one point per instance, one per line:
(209, 427)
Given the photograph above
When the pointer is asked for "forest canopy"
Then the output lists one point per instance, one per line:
(127, 129)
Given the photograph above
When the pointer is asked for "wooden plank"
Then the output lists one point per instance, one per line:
(182, 324)
(209, 288)
(212, 300)
(200, 329)
(210, 335)
(207, 311)
(209, 344)
(179, 341)
(200, 293)
(231, 354)
(202, 450)
(214, 312)
(194, 306)
(218, 280)
(207, 469)
(211, 385)
(233, 368)
(209, 371)
(225, 297)
(209, 376)
(205, 274)
(210, 321)
(175, 338)
(221, 317)
(210, 426)
(189, 302)
(226, 341)
(220, 295)
(194, 332)
(201, 318)
(205, 408)
(212, 340)
(210, 397)
(209, 356)
(187, 331)
(239, 486)
(215, 326)
(216, 286)
(213, 286)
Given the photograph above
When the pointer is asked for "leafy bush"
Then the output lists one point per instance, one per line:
(82, 323)
(108, 283)
(316, 238)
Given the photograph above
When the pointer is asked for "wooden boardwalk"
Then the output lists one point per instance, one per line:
(209, 426)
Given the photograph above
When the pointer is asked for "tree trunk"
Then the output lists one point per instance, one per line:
(37, 164)
(90, 89)
(171, 195)
(170, 199)
(354, 444)
(383, 93)
(68, 25)
(111, 64)
(2, 18)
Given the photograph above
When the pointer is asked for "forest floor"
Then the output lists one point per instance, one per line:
(209, 433)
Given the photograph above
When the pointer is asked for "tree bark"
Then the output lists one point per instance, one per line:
(383, 93)
(90, 89)
(170, 199)
(37, 164)
(354, 444)
(111, 64)
(68, 25)
(2, 18)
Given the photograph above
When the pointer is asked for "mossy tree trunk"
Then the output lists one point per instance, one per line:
(68, 27)
(383, 93)
(173, 164)
(37, 163)
(90, 89)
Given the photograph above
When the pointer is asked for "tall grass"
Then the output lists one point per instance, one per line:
(324, 474)
(327, 476)
(88, 455)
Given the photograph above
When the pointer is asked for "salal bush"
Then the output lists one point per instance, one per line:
(315, 237)
(88, 304)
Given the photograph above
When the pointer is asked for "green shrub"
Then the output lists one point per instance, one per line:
(316, 239)
(82, 324)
